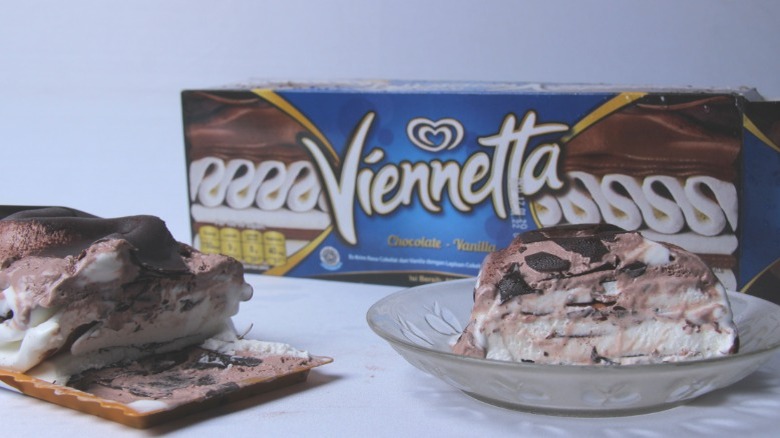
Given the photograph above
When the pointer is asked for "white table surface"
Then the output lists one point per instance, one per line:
(369, 390)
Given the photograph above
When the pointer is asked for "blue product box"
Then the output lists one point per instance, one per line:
(408, 183)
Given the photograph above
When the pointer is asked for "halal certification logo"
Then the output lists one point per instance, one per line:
(330, 258)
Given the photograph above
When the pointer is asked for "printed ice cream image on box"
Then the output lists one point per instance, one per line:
(409, 183)
(255, 193)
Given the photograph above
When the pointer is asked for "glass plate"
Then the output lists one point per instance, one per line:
(422, 322)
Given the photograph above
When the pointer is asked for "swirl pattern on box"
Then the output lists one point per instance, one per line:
(667, 168)
(254, 192)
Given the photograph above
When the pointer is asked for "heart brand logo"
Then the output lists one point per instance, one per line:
(443, 134)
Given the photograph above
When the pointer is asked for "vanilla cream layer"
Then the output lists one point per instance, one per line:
(569, 332)
(269, 185)
(663, 204)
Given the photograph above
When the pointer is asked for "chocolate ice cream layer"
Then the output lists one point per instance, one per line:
(81, 291)
(596, 294)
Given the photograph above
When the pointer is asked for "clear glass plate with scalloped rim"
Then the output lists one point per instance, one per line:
(422, 322)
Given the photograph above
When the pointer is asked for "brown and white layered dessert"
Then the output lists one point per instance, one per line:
(93, 289)
(82, 297)
(664, 165)
(596, 294)
(254, 192)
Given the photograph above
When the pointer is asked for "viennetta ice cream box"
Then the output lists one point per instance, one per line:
(408, 183)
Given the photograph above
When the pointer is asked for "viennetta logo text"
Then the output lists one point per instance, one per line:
(492, 173)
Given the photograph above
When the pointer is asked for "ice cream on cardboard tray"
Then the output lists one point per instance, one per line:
(118, 308)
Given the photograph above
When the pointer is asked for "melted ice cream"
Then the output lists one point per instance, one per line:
(82, 291)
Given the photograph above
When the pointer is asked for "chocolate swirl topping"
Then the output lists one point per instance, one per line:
(62, 231)
(675, 135)
(239, 124)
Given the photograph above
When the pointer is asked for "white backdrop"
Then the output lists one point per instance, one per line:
(89, 90)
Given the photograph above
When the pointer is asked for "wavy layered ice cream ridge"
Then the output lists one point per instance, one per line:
(78, 291)
(596, 294)
(666, 167)
(254, 192)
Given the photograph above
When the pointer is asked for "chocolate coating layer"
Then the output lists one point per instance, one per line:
(239, 124)
(513, 285)
(546, 262)
(62, 231)
(676, 135)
